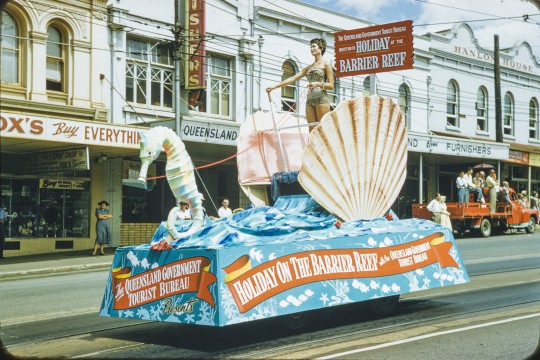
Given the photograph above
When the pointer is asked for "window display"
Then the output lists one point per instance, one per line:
(46, 208)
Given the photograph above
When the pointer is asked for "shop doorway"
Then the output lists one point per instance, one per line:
(447, 186)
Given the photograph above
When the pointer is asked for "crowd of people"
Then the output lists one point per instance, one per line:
(468, 184)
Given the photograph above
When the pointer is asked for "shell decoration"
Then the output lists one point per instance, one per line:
(355, 162)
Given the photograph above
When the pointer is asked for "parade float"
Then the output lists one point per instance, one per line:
(334, 245)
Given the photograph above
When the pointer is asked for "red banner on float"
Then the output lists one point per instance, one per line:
(374, 49)
(251, 286)
(195, 45)
(188, 275)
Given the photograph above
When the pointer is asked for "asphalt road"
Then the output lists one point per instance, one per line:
(496, 316)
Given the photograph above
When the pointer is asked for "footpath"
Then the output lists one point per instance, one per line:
(13, 267)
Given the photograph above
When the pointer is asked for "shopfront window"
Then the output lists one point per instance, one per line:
(41, 208)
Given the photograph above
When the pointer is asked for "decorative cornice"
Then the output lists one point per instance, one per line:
(47, 109)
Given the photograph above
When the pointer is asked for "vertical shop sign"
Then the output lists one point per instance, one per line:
(374, 49)
(194, 62)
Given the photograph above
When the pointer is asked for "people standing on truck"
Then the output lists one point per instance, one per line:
(478, 180)
(445, 215)
(472, 188)
(534, 201)
(435, 207)
(505, 189)
(522, 200)
(491, 182)
(525, 200)
(462, 188)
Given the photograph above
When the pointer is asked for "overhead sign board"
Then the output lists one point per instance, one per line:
(23, 126)
(374, 49)
(60, 160)
(457, 147)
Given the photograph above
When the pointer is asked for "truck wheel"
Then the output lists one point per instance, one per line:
(530, 227)
(296, 321)
(485, 228)
(385, 305)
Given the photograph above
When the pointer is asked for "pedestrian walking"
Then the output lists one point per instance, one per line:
(3, 219)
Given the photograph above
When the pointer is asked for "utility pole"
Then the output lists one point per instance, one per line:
(498, 109)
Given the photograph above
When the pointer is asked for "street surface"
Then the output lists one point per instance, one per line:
(496, 316)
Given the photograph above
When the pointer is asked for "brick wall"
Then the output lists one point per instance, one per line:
(136, 233)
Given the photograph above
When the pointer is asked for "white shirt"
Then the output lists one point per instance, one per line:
(468, 181)
(460, 183)
(434, 206)
(183, 215)
(222, 212)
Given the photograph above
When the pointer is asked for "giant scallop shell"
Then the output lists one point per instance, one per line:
(355, 162)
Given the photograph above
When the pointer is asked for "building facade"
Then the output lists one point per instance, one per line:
(60, 154)
(108, 67)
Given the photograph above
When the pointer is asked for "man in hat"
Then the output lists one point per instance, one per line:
(184, 213)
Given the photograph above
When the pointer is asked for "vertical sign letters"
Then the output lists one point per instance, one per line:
(195, 47)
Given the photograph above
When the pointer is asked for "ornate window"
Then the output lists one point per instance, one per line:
(217, 98)
(508, 114)
(55, 60)
(533, 119)
(149, 74)
(452, 104)
(367, 86)
(10, 50)
(219, 80)
(288, 93)
(404, 102)
(481, 109)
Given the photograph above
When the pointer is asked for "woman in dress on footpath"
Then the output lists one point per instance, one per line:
(103, 229)
(321, 78)
(445, 215)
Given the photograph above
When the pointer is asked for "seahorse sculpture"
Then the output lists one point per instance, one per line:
(179, 171)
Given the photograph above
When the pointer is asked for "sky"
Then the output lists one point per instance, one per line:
(486, 17)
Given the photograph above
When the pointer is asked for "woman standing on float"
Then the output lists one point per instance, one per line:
(321, 78)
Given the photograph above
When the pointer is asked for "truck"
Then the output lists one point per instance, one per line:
(476, 216)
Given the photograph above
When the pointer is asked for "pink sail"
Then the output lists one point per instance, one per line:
(259, 154)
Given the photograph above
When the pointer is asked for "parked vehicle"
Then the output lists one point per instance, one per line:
(476, 216)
